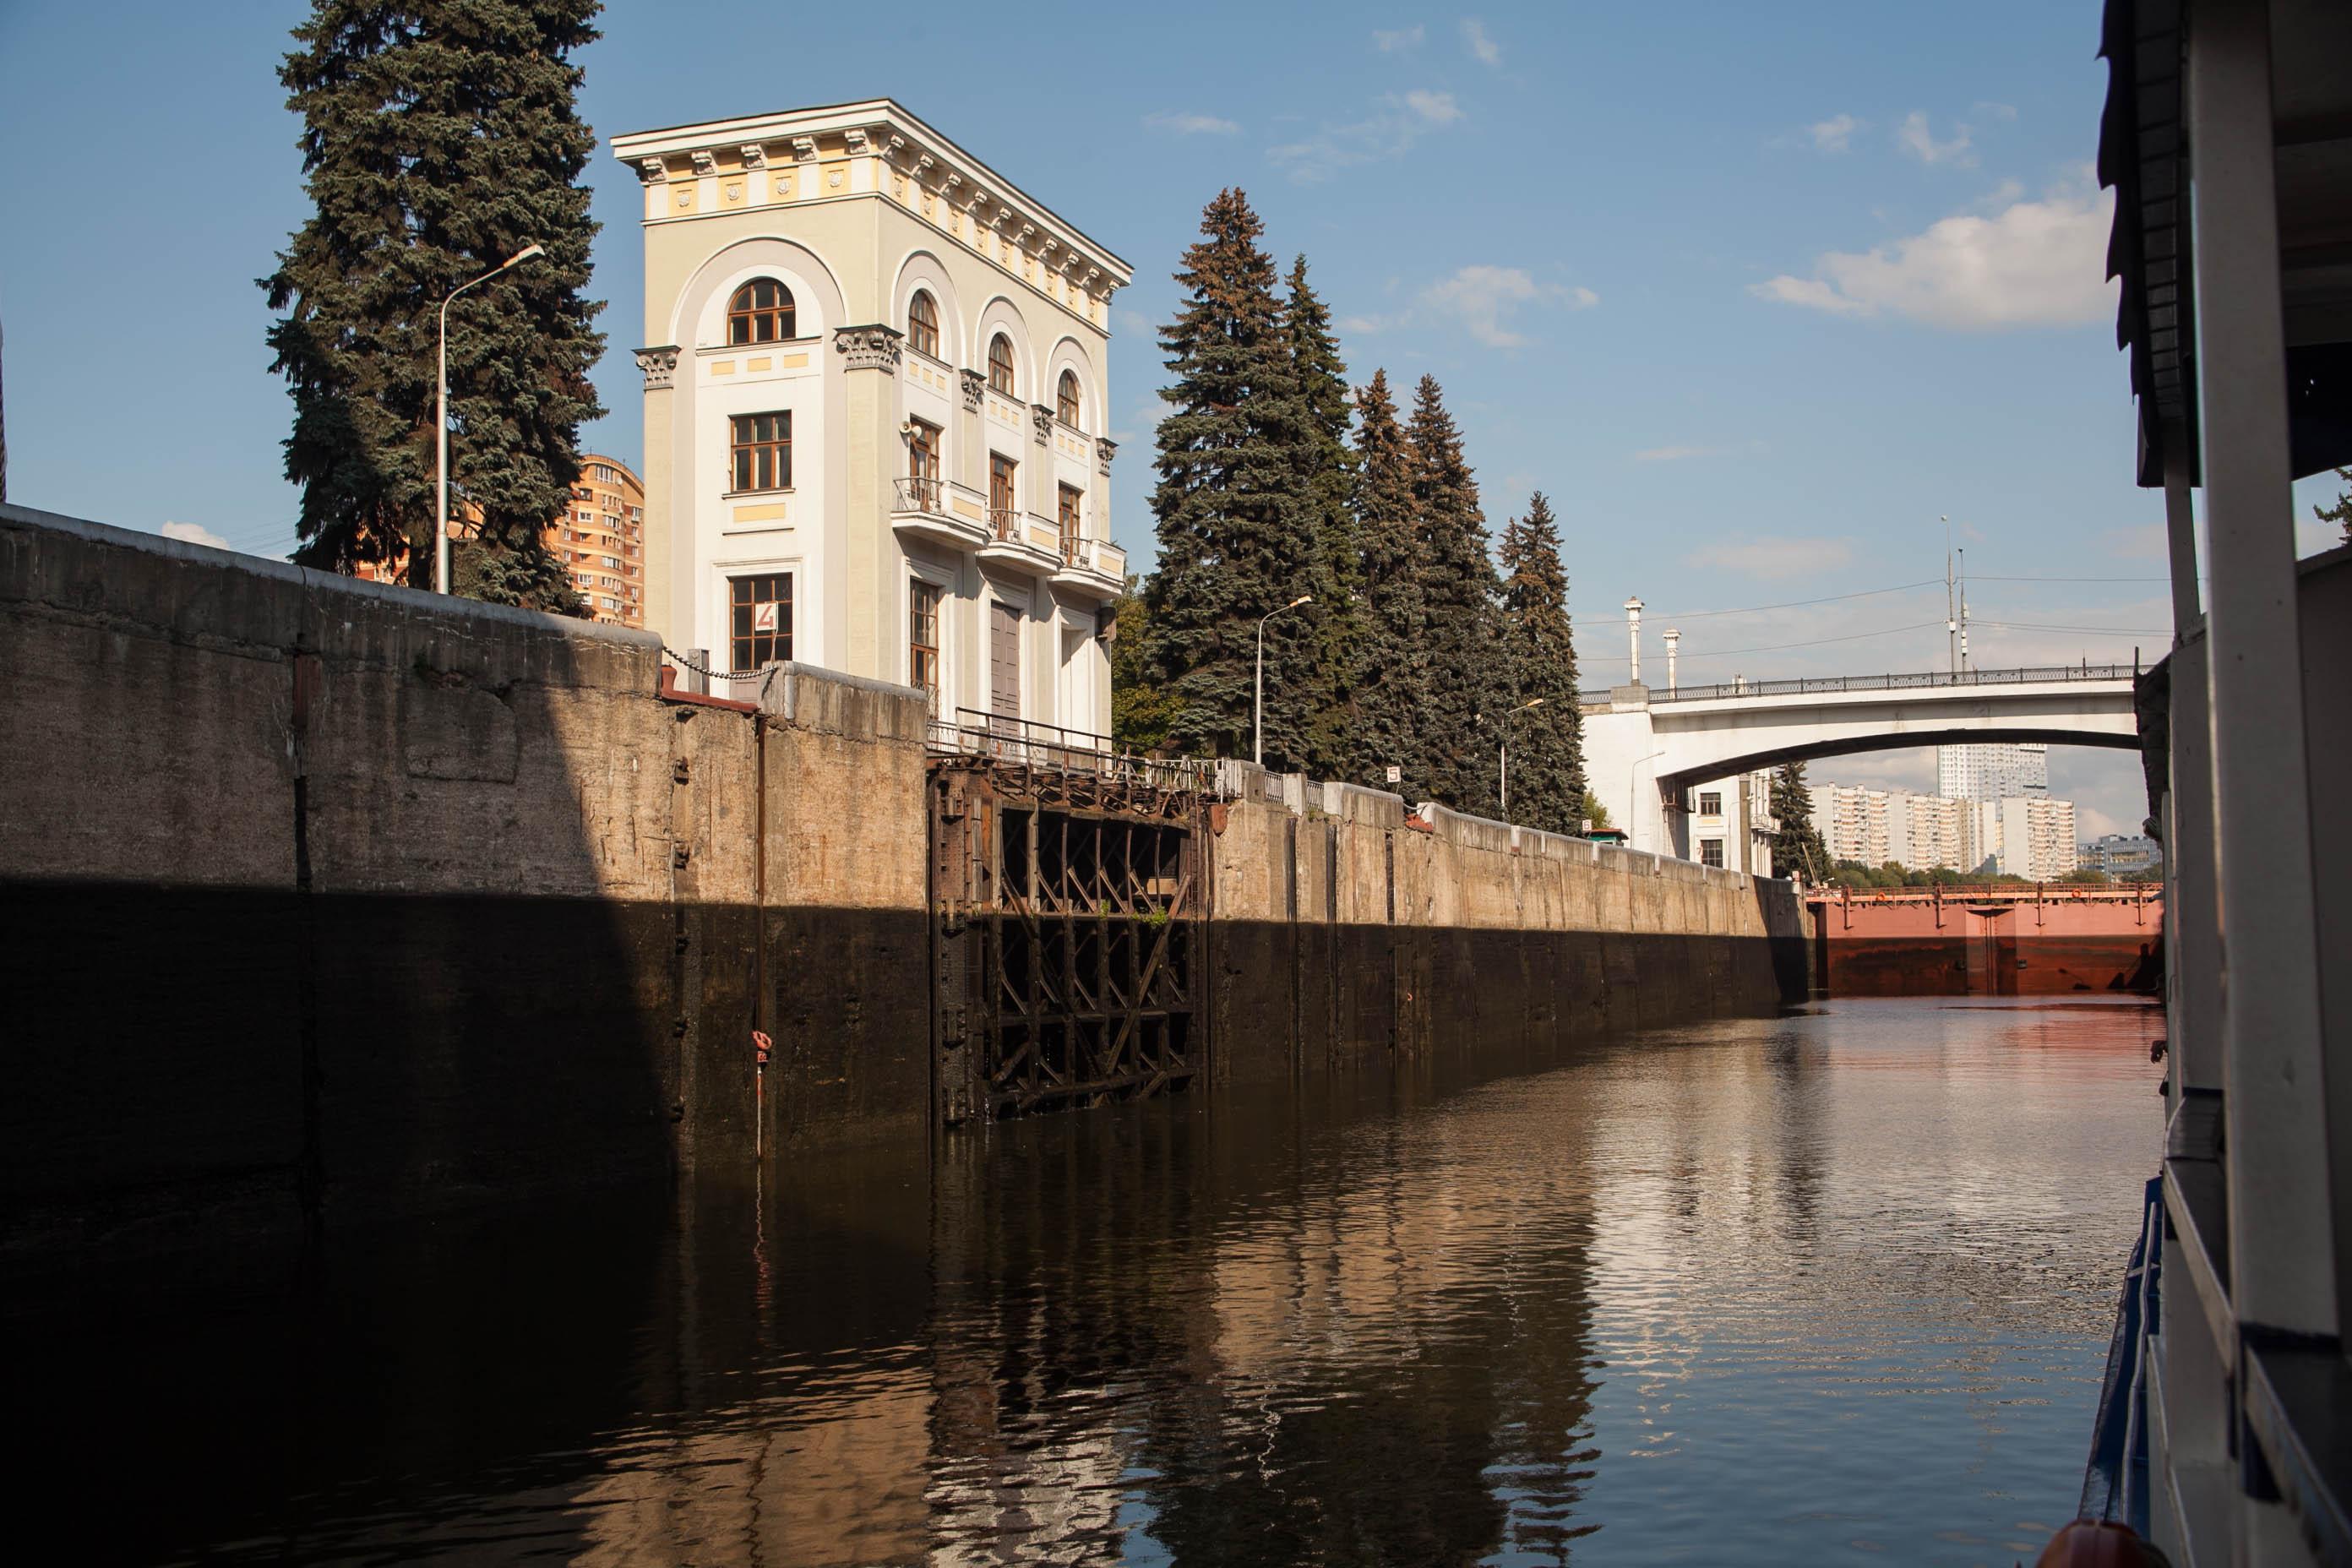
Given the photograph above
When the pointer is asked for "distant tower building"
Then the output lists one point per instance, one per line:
(1981, 771)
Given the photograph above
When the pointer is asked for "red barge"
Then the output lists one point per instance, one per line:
(2011, 941)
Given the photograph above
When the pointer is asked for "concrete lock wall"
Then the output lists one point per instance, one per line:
(327, 898)
(1347, 931)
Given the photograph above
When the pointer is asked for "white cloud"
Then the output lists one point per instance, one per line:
(1437, 108)
(1673, 454)
(194, 533)
(2034, 264)
(1773, 559)
(1916, 140)
(1481, 298)
(1391, 131)
(1834, 135)
(1368, 325)
(1481, 47)
(1193, 124)
(1399, 41)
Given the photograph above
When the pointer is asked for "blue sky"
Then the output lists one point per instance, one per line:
(1756, 293)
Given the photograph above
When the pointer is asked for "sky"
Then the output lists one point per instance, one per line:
(1773, 303)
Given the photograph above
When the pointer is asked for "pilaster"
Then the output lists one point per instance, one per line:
(662, 502)
(870, 357)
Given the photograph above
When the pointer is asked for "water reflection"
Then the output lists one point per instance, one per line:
(1762, 1291)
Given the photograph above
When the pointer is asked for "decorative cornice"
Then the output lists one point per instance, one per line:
(1041, 417)
(856, 137)
(868, 348)
(1105, 449)
(755, 154)
(804, 149)
(975, 391)
(660, 365)
(652, 171)
(705, 163)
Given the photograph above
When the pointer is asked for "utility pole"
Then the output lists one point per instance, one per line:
(1964, 608)
(1952, 611)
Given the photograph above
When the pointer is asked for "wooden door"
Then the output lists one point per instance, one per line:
(1004, 659)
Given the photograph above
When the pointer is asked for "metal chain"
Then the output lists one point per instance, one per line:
(706, 671)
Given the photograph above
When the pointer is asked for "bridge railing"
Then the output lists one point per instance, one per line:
(1917, 680)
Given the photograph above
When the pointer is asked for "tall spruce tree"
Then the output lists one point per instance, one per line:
(1547, 742)
(1326, 473)
(1797, 846)
(1387, 668)
(1463, 706)
(2341, 512)
(1237, 537)
(1139, 707)
(439, 140)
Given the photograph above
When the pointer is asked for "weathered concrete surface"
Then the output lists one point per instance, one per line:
(328, 896)
(324, 899)
(1346, 931)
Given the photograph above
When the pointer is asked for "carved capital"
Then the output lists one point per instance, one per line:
(924, 163)
(804, 149)
(1105, 449)
(660, 365)
(893, 144)
(704, 163)
(755, 154)
(867, 348)
(1041, 417)
(652, 171)
(858, 146)
(975, 391)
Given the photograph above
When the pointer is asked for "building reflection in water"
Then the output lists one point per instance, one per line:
(1811, 1282)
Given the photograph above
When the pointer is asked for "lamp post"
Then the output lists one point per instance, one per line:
(1503, 756)
(441, 420)
(1257, 714)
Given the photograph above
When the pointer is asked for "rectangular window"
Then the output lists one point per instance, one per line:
(1003, 514)
(1070, 498)
(762, 611)
(1710, 852)
(761, 447)
(923, 639)
(1711, 804)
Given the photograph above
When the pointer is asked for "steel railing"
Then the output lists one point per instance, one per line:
(1004, 522)
(1920, 681)
(921, 495)
(1031, 742)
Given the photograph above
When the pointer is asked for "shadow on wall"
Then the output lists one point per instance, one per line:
(324, 898)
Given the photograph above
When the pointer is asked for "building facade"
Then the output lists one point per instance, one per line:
(1719, 808)
(2126, 857)
(1992, 770)
(1851, 820)
(2029, 836)
(875, 401)
(600, 539)
(1923, 831)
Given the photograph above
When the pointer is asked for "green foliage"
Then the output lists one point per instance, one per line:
(1539, 661)
(439, 139)
(1589, 807)
(1236, 539)
(2090, 876)
(1387, 668)
(1461, 629)
(2341, 512)
(1326, 471)
(1797, 847)
(1138, 709)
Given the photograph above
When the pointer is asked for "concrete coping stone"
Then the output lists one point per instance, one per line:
(310, 580)
(809, 697)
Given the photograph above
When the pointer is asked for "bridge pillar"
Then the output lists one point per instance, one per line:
(1621, 759)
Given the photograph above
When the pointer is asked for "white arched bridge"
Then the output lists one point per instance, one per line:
(1644, 747)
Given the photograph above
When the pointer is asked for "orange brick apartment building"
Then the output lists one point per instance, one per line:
(600, 537)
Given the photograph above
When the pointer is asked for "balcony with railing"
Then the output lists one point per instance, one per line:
(1019, 539)
(1095, 566)
(931, 507)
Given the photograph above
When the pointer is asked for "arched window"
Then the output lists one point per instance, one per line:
(1065, 399)
(923, 324)
(1000, 363)
(760, 312)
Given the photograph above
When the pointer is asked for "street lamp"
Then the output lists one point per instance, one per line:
(441, 420)
(1257, 718)
(1503, 755)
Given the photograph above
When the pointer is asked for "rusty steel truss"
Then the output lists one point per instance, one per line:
(1067, 911)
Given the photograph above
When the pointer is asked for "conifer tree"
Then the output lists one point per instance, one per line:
(1462, 708)
(1236, 531)
(1138, 709)
(2341, 512)
(1326, 471)
(1547, 742)
(1797, 847)
(439, 139)
(1386, 669)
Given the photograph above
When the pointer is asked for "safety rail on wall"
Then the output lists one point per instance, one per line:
(1031, 743)
(1990, 892)
(1919, 681)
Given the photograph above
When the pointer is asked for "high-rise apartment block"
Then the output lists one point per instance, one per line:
(601, 538)
(1990, 770)
(876, 403)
